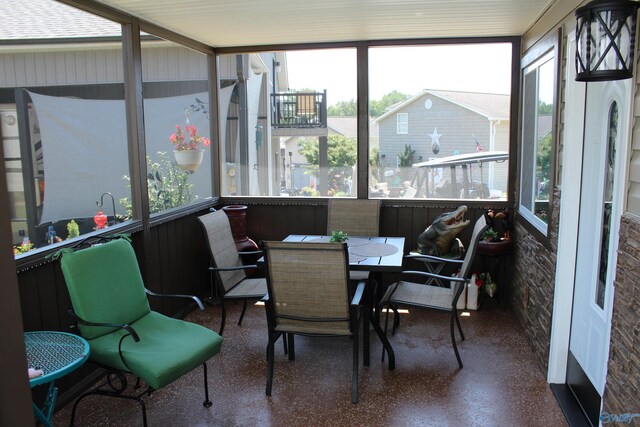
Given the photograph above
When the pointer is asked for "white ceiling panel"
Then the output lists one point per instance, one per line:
(222, 23)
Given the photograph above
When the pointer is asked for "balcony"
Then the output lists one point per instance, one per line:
(293, 113)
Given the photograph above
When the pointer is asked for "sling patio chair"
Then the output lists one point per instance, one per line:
(436, 295)
(308, 295)
(110, 306)
(229, 279)
(355, 218)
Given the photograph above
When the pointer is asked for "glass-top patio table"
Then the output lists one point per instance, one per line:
(375, 254)
(55, 354)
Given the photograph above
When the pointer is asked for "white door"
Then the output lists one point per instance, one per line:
(601, 198)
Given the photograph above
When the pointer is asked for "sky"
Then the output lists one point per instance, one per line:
(472, 68)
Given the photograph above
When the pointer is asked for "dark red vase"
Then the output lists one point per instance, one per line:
(238, 220)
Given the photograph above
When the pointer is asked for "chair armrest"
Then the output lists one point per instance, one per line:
(124, 326)
(250, 253)
(193, 297)
(357, 296)
(433, 275)
(240, 267)
(421, 257)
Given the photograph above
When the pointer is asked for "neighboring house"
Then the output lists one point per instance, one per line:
(345, 126)
(439, 123)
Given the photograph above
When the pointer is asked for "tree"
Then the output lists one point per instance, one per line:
(545, 109)
(377, 171)
(406, 160)
(341, 157)
(406, 157)
(543, 167)
(343, 109)
(378, 108)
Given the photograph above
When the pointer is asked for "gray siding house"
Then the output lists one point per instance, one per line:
(438, 123)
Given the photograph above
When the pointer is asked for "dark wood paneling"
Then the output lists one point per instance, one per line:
(274, 221)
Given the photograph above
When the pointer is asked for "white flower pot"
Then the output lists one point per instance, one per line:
(188, 160)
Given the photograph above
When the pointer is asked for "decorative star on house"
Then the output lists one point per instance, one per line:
(435, 141)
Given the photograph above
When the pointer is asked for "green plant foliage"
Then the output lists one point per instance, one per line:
(343, 109)
(378, 108)
(168, 186)
(25, 246)
(310, 192)
(338, 237)
(73, 230)
(543, 166)
(489, 235)
(342, 155)
(406, 157)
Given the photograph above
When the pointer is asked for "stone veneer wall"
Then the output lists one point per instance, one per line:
(533, 284)
(622, 391)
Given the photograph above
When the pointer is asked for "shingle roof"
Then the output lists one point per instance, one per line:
(48, 19)
(492, 105)
(348, 126)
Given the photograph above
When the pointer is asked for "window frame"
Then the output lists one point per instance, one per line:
(135, 131)
(363, 114)
(405, 123)
(132, 28)
(545, 49)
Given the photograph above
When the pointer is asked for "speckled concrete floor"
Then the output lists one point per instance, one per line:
(501, 383)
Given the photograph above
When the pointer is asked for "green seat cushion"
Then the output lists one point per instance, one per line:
(105, 286)
(168, 348)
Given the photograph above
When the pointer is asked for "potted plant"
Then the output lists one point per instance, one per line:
(496, 240)
(338, 237)
(187, 148)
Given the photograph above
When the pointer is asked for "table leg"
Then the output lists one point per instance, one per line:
(40, 416)
(435, 268)
(385, 343)
(45, 415)
(366, 337)
(374, 295)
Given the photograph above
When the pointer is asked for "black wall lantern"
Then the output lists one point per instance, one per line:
(605, 37)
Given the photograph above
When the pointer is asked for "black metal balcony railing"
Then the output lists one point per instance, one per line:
(299, 110)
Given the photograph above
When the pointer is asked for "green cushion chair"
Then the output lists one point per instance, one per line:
(110, 305)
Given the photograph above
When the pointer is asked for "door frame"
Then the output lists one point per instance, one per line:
(575, 97)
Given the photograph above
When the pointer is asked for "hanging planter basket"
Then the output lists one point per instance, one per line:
(188, 160)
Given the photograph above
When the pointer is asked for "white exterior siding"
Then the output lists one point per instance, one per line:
(456, 124)
(62, 68)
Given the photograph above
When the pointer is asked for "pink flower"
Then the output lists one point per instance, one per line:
(181, 143)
